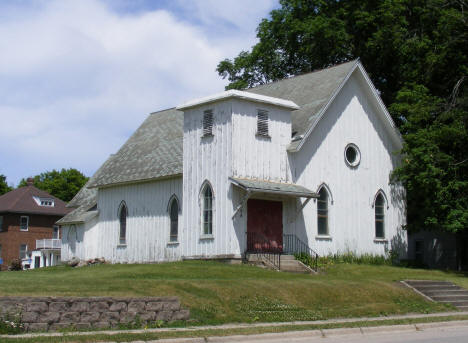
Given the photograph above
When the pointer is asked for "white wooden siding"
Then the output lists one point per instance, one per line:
(350, 119)
(148, 222)
(255, 156)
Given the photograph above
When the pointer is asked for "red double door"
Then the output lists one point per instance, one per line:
(264, 225)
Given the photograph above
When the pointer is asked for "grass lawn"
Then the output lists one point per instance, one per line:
(217, 293)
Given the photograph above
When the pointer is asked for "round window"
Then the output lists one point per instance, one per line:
(352, 155)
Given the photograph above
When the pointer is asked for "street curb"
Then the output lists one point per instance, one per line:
(261, 325)
(364, 331)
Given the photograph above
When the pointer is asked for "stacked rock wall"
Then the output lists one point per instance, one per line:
(52, 313)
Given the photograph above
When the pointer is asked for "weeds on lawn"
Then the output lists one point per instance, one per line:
(349, 257)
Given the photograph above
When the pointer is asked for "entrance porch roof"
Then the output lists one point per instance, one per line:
(264, 186)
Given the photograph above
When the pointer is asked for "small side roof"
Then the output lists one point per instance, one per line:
(79, 215)
(264, 186)
(21, 200)
(153, 151)
(239, 95)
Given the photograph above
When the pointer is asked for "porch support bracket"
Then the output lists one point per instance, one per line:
(299, 210)
(242, 203)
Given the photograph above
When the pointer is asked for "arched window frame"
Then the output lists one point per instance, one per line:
(123, 209)
(379, 217)
(321, 214)
(206, 232)
(173, 234)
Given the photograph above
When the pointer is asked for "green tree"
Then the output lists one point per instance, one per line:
(4, 188)
(434, 169)
(62, 184)
(416, 53)
(399, 42)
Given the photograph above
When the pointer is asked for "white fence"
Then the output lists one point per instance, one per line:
(48, 243)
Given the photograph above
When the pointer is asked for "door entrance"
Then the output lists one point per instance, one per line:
(37, 262)
(264, 226)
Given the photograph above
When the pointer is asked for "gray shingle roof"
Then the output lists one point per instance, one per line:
(155, 150)
(79, 215)
(263, 186)
(310, 91)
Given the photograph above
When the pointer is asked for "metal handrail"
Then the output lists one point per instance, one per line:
(262, 246)
(293, 245)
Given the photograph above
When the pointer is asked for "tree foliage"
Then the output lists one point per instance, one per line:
(62, 184)
(4, 188)
(416, 53)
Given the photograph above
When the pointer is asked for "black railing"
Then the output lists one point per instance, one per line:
(269, 250)
(293, 245)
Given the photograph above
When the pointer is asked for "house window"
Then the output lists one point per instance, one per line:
(207, 210)
(174, 215)
(23, 250)
(352, 155)
(262, 123)
(0, 251)
(123, 223)
(322, 212)
(379, 208)
(56, 234)
(24, 223)
(47, 202)
(1, 223)
(208, 123)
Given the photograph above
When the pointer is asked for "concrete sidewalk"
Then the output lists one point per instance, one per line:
(260, 325)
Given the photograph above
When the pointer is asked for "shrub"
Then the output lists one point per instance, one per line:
(11, 323)
(16, 265)
(350, 257)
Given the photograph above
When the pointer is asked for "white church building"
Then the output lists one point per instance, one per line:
(302, 161)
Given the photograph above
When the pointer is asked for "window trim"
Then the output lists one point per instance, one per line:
(173, 199)
(207, 127)
(1, 223)
(379, 195)
(263, 124)
(357, 161)
(323, 235)
(27, 223)
(122, 239)
(58, 231)
(206, 235)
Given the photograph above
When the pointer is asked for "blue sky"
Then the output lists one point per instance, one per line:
(78, 77)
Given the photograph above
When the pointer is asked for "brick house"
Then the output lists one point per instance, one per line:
(27, 222)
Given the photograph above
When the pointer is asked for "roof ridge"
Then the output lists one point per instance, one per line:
(167, 109)
(303, 74)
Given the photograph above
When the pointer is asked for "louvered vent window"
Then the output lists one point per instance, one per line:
(262, 123)
(208, 123)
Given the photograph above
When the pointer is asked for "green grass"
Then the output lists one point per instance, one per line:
(217, 293)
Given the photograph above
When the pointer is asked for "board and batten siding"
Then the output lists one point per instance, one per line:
(83, 243)
(351, 118)
(148, 221)
(208, 159)
(255, 156)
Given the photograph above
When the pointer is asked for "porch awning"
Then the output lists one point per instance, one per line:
(263, 186)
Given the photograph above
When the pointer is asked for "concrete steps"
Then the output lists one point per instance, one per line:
(288, 263)
(441, 291)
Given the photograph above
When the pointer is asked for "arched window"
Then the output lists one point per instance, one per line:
(174, 215)
(379, 207)
(322, 212)
(123, 223)
(207, 209)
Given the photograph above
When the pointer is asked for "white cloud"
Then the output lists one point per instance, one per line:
(77, 78)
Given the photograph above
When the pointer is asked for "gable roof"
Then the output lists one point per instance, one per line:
(153, 151)
(21, 200)
(234, 93)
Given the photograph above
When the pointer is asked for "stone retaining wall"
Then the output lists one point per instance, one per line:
(52, 313)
